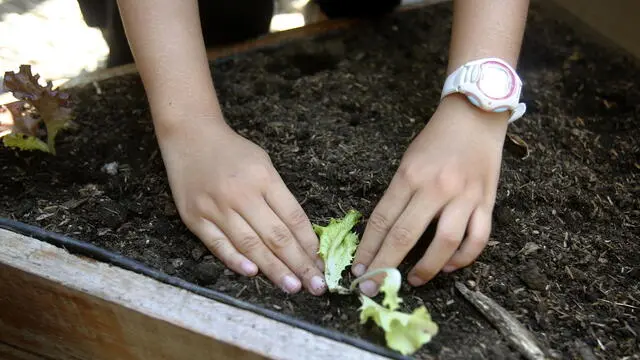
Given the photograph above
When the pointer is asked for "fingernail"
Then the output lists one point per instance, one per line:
(291, 284)
(369, 288)
(248, 268)
(320, 264)
(317, 284)
(415, 280)
(358, 269)
(448, 268)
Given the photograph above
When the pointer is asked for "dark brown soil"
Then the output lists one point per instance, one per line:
(336, 115)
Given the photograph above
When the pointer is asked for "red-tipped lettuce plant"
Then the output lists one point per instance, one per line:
(33, 121)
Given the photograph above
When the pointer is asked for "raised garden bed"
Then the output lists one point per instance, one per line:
(335, 113)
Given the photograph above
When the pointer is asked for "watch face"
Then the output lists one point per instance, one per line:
(496, 81)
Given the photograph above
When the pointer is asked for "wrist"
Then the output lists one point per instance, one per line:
(457, 113)
(179, 122)
(458, 103)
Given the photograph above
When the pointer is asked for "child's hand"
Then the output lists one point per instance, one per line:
(229, 194)
(450, 171)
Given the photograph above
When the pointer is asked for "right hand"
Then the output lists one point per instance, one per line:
(229, 195)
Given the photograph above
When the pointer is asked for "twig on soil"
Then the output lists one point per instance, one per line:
(620, 304)
(255, 281)
(264, 282)
(600, 345)
(241, 290)
(626, 326)
(510, 328)
(632, 298)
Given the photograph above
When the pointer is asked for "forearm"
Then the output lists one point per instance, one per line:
(166, 41)
(487, 28)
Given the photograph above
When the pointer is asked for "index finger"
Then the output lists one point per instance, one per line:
(275, 234)
(402, 237)
(289, 210)
(385, 214)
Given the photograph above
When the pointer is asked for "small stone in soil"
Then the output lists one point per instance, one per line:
(110, 168)
(344, 317)
(277, 307)
(177, 263)
(228, 272)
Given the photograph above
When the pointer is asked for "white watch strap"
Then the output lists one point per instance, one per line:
(517, 112)
(452, 83)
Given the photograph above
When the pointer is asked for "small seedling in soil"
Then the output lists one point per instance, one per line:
(404, 332)
(32, 122)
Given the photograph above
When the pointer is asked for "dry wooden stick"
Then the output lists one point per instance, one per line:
(508, 325)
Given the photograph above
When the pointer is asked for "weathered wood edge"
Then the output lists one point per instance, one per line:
(88, 285)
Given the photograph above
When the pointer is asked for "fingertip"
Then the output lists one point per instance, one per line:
(449, 268)
(415, 280)
(358, 269)
(291, 284)
(317, 286)
(369, 288)
(249, 268)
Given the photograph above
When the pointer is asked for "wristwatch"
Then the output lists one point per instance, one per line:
(490, 84)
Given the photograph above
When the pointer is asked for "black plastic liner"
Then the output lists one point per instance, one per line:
(79, 247)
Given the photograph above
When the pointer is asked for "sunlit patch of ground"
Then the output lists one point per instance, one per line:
(51, 35)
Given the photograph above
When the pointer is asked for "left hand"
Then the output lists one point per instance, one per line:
(450, 171)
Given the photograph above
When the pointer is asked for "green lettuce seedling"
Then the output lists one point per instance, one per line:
(21, 121)
(337, 246)
(404, 332)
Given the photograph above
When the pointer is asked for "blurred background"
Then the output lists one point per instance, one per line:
(53, 35)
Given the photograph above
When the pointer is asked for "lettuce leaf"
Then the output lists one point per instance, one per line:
(24, 142)
(337, 247)
(405, 333)
(53, 108)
